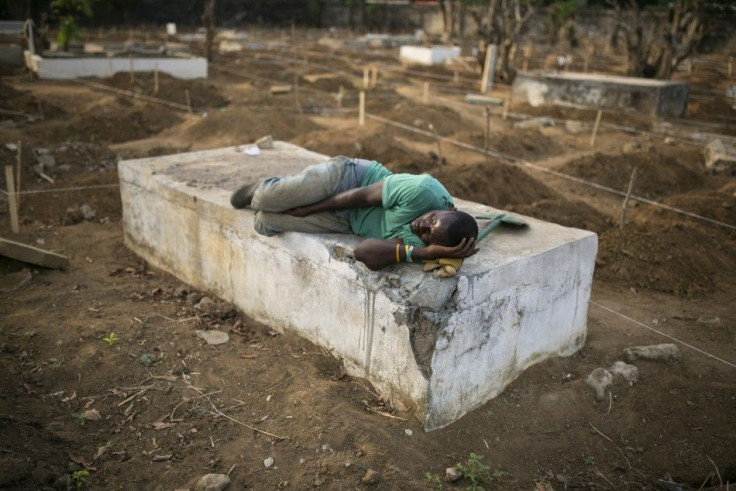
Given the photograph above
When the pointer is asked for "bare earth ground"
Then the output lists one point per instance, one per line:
(156, 408)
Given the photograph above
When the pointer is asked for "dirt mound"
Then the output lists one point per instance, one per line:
(24, 102)
(716, 205)
(121, 120)
(201, 93)
(494, 184)
(657, 175)
(236, 125)
(566, 212)
(445, 120)
(359, 144)
(684, 259)
(521, 144)
(62, 208)
(330, 84)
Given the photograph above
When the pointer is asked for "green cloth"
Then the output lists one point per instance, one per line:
(404, 198)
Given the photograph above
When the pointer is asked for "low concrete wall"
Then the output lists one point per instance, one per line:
(60, 68)
(442, 346)
(432, 55)
(653, 97)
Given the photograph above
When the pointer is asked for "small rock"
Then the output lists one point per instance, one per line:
(631, 147)
(575, 127)
(535, 123)
(265, 143)
(194, 297)
(207, 305)
(47, 160)
(720, 158)
(147, 359)
(453, 475)
(670, 141)
(408, 432)
(91, 415)
(630, 373)
(213, 337)
(710, 320)
(180, 291)
(599, 380)
(371, 477)
(268, 462)
(73, 215)
(87, 212)
(655, 352)
(212, 482)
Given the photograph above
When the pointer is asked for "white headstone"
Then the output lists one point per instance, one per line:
(171, 28)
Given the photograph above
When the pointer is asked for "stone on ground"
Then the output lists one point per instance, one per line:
(655, 352)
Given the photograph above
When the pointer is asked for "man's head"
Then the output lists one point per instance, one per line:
(445, 228)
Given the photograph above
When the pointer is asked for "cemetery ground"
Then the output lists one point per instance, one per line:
(107, 386)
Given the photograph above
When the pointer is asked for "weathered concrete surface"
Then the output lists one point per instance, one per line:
(61, 68)
(442, 346)
(654, 97)
(427, 55)
(11, 54)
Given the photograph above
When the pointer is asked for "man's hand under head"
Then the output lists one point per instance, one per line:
(466, 248)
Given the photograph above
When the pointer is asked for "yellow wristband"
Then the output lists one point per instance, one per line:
(397, 253)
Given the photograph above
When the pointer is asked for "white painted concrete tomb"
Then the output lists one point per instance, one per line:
(102, 66)
(439, 346)
(427, 55)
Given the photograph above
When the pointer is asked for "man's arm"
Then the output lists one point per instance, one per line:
(376, 253)
(352, 198)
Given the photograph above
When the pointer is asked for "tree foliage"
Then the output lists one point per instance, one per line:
(68, 12)
(656, 41)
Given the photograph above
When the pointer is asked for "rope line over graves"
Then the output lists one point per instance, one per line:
(510, 158)
(641, 324)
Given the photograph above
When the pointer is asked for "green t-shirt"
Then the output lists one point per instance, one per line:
(404, 198)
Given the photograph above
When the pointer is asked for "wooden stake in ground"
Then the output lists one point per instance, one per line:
(586, 61)
(626, 199)
(486, 80)
(17, 175)
(730, 67)
(10, 180)
(361, 109)
(425, 93)
(527, 51)
(455, 76)
(568, 62)
(296, 93)
(488, 133)
(189, 101)
(374, 77)
(340, 95)
(595, 127)
(439, 143)
(507, 106)
(155, 79)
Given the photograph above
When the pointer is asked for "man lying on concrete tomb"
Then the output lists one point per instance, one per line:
(404, 217)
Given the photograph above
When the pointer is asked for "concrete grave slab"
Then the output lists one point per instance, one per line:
(427, 55)
(440, 346)
(659, 98)
(102, 66)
